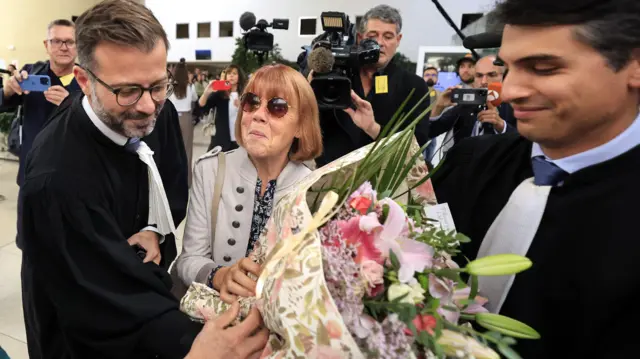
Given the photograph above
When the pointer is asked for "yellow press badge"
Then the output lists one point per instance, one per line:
(382, 84)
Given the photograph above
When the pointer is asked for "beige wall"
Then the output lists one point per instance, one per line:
(23, 24)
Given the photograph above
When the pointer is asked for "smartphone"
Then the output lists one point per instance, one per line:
(469, 96)
(36, 83)
(221, 85)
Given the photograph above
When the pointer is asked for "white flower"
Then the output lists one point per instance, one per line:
(455, 344)
(413, 292)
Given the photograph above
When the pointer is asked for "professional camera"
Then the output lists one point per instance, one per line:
(256, 37)
(335, 58)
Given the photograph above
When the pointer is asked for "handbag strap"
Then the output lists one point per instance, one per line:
(217, 194)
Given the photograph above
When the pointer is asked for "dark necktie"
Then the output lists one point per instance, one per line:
(132, 145)
(546, 173)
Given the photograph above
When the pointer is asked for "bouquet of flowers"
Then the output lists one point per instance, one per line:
(369, 275)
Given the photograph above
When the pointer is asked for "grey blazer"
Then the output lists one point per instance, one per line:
(235, 212)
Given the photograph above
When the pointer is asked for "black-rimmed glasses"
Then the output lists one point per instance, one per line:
(130, 95)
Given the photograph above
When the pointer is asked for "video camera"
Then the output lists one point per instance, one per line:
(256, 37)
(334, 58)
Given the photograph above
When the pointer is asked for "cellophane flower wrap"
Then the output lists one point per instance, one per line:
(353, 268)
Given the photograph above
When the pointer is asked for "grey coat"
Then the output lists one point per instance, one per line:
(235, 212)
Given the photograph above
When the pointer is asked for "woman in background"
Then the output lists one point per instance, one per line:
(226, 104)
(183, 98)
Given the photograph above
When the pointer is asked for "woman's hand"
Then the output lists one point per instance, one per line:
(208, 90)
(233, 281)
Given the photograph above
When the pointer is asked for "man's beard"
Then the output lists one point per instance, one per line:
(430, 82)
(122, 123)
(468, 80)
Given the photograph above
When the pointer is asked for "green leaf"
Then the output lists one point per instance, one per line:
(462, 238)
(499, 264)
(509, 340)
(423, 279)
(395, 263)
(506, 326)
(474, 287)
(508, 352)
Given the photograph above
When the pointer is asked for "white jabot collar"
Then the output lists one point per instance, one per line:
(111, 134)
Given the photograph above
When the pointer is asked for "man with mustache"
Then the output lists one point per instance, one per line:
(563, 192)
(96, 210)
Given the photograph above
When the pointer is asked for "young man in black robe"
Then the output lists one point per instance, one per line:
(93, 189)
(574, 83)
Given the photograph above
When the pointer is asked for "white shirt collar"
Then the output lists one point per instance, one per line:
(111, 134)
(624, 142)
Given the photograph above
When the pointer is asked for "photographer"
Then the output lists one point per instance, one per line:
(470, 121)
(348, 130)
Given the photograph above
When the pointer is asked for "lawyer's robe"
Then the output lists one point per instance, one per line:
(581, 292)
(89, 295)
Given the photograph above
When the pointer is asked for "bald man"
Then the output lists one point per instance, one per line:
(468, 121)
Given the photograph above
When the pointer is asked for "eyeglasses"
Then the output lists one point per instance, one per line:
(277, 107)
(129, 95)
(58, 43)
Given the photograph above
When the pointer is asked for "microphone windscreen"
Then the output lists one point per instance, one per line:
(494, 93)
(247, 21)
(320, 60)
(485, 40)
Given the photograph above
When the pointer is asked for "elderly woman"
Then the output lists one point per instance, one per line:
(277, 129)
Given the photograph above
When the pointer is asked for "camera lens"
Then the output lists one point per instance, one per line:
(44, 81)
(331, 93)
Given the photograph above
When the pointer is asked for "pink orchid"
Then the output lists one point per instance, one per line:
(478, 302)
(393, 227)
(363, 241)
(414, 257)
(443, 288)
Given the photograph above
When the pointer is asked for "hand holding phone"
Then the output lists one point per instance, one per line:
(35, 83)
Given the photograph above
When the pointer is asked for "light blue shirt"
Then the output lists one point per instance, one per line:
(624, 142)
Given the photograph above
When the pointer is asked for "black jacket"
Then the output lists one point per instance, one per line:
(220, 102)
(462, 120)
(340, 135)
(36, 110)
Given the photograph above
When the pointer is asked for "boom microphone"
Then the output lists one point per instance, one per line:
(494, 93)
(320, 60)
(247, 21)
(485, 40)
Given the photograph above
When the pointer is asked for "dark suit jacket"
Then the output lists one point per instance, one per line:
(340, 135)
(462, 120)
(36, 110)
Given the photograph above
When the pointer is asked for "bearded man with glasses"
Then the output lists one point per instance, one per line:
(105, 188)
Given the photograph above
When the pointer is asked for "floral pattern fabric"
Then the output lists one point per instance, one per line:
(262, 208)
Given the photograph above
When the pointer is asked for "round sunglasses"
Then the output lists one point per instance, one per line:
(277, 107)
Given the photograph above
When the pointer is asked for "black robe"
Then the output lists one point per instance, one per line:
(88, 295)
(580, 292)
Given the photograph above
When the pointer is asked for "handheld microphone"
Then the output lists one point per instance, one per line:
(494, 92)
(320, 60)
(485, 40)
(247, 21)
